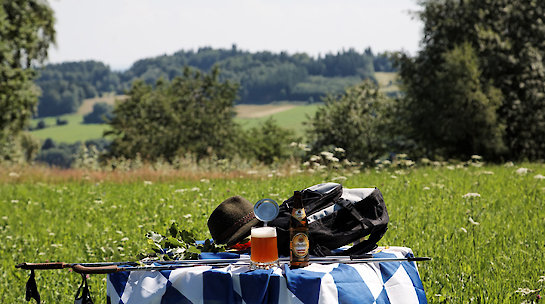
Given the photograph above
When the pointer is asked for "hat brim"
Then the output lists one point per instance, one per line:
(242, 232)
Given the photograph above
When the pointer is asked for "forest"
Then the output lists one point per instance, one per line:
(264, 77)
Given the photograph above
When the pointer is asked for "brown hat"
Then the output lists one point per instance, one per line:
(232, 221)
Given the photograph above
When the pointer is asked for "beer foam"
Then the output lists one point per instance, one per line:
(264, 232)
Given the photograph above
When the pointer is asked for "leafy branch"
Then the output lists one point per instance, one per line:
(177, 244)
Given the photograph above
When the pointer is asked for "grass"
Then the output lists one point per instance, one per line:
(484, 247)
(72, 132)
(292, 118)
(289, 116)
(387, 81)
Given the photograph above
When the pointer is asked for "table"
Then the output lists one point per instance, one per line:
(384, 282)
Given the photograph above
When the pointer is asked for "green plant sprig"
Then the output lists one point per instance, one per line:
(177, 244)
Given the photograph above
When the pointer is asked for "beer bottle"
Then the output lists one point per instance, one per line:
(299, 242)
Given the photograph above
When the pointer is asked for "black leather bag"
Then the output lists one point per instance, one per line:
(337, 216)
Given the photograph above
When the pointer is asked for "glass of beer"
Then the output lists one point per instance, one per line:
(264, 253)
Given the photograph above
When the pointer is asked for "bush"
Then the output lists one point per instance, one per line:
(357, 121)
(102, 113)
(268, 142)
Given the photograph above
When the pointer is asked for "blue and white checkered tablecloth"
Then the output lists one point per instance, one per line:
(384, 282)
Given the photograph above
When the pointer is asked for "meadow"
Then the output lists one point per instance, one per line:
(287, 115)
(483, 226)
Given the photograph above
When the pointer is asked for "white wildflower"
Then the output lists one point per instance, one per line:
(333, 159)
(119, 232)
(205, 180)
(14, 174)
(426, 188)
(99, 201)
(294, 144)
(463, 229)
(15, 201)
(526, 291)
(393, 176)
(522, 171)
(56, 245)
(473, 222)
(509, 164)
(541, 279)
(451, 167)
(5, 218)
(340, 150)
(186, 216)
(471, 194)
(487, 173)
(180, 190)
(326, 154)
(315, 158)
(195, 189)
(339, 178)
(539, 176)
(124, 239)
(147, 182)
(476, 157)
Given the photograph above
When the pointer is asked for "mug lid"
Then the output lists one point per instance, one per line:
(266, 210)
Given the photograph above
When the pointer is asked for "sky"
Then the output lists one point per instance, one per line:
(120, 32)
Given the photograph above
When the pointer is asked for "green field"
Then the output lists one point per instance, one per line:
(72, 132)
(484, 227)
(292, 119)
(75, 130)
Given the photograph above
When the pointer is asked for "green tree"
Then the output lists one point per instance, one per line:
(357, 121)
(454, 115)
(268, 142)
(102, 113)
(507, 38)
(191, 114)
(26, 31)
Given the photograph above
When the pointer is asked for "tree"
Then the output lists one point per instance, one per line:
(102, 113)
(26, 31)
(268, 142)
(507, 38)
(455, 115)
(191, 114)
(357, 121)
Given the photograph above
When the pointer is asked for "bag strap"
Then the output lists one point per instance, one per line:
(32, 288)
(83, 296)
(366, 224)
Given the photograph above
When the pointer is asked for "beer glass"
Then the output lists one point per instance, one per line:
(264, 253)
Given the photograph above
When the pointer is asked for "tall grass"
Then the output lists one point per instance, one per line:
(483, 226)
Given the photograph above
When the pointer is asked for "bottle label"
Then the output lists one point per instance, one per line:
(300, 245)
(299, 214)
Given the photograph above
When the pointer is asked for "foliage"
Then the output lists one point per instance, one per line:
(268, 142)
(507, 39)
(67, 155)
(26, 30)
(177, 244)
(356, 121)
(192, 114)
(453, 114)
(65, 85)
(263, 76)
(102, 113)
(60, 155)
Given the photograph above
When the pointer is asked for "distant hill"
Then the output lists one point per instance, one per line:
(264, 77)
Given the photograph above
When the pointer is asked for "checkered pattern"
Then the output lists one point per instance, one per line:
(385, 282)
